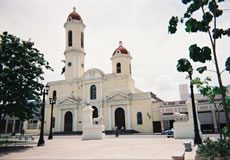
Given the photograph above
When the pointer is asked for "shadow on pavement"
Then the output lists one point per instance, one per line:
(13, 149)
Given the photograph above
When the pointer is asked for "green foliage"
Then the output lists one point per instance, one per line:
(209, 12)
(184, 65)
(227, 64)
(228, 103)
(217, 33)
(21, 68)
(186, 1)
(198, 54)
(172, 28)
(207, 90)
(227, 32)
(212, 149)
(201, 69)
(214, 8)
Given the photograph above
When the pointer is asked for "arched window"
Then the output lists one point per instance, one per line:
(118, 68)
(93, 92)
(139, 118)
(70, 38)
(82, 40)
(54, 94)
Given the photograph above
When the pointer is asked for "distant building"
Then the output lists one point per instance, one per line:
(207, 113)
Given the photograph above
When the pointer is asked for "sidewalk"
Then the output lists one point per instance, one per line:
(123, 147)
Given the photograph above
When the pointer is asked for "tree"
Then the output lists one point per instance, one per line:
(21, 72)
(212, 93)
(184, 65)
(210, 12)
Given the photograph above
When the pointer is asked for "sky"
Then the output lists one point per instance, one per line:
(141, 25)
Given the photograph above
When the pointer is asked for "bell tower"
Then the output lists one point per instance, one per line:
(121, 61)
(74, 46)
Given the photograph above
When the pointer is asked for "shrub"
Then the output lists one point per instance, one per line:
(211, 149)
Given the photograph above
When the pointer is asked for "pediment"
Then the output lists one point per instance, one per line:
(68, 101)
(93, 74)
(118, 97)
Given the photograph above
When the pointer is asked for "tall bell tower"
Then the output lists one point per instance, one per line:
(74, 46)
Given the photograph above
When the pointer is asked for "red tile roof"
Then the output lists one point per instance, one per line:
(121, 49)
(74, 15)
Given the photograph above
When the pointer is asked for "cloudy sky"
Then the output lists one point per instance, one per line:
(141, 25)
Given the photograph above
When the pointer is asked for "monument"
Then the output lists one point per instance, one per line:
(92, 130)
(183, 125)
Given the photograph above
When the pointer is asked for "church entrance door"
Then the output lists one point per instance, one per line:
(68, 123)
(120, 118)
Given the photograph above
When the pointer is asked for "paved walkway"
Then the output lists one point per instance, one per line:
(123, 147)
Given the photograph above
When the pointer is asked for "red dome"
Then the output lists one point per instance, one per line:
(121, 49)
(75, 15)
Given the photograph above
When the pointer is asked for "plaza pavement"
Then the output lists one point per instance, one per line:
(123, 147)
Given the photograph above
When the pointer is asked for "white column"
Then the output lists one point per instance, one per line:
(101, 90)
(79, 66)
(20, 126)
(129, 116)
(82, 116)
(59, 120)
(13, 129)
(109, 118)
(101, 105)
(162, 123)
(6, 125)
(101, 110)
(214, 121)
(83, 88)
(74, 66)
(75, 119)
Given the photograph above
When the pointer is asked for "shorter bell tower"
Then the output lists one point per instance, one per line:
(121, 61)
(74, 46)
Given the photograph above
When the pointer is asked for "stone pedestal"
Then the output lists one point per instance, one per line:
(90, 130)
(93, 132)
(185, 130)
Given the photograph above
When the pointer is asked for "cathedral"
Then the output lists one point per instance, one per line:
(113, 96)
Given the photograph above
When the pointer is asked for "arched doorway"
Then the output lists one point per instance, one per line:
(68, 123)
(120, 118)
(95, 112)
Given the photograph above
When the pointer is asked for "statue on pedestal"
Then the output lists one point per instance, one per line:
(92, 128)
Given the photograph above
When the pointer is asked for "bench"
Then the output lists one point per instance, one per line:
(178, 156)
(188, 146)
(25, 137)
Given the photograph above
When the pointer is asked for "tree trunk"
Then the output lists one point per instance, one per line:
(218, 121)
(222, 91)
(213, 43)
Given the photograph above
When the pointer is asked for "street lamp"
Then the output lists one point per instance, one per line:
(52, 102)
(44, 92)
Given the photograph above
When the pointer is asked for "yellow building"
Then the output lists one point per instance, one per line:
(113, 96)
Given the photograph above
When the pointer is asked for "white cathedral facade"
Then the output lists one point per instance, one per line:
(113, 96)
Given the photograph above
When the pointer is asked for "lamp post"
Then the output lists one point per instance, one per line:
(44, 92)
(52, 102)
(197, 138)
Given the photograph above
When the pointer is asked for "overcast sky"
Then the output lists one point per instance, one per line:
(141, 25)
